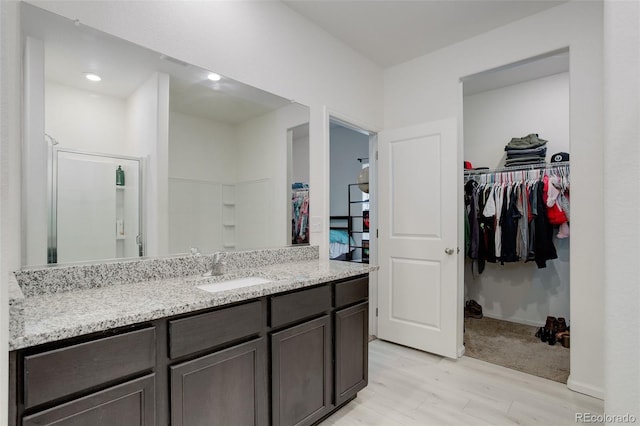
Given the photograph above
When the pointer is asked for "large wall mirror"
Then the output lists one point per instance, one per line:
(156, 158)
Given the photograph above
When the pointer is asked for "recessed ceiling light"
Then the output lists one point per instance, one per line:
(92, 77)
(214, 77)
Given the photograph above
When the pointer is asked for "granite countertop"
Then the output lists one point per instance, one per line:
(52, 316)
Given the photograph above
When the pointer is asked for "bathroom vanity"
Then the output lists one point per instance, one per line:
(162, 351)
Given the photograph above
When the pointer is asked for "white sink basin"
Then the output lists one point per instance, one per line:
(233, 284)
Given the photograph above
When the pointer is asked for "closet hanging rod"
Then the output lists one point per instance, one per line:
(526, 167)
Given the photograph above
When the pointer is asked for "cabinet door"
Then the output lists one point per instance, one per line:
(301, 373)
(131, 403)
(228, 387)
(351, 351)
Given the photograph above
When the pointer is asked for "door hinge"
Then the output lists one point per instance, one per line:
(376, 311)
(377, 233)
(376, 155)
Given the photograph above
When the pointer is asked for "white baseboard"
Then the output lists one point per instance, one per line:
(516, 320)
(461, 351)
(584, 388)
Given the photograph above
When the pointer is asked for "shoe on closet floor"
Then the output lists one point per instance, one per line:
(473, 310)
(562, 325)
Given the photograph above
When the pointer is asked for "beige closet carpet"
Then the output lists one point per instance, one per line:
(514, 346)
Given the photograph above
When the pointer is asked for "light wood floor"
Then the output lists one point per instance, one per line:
(409, 387)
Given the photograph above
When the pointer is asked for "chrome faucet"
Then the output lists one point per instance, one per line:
(219, 266)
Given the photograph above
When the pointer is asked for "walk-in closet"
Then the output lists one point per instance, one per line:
(517, 176)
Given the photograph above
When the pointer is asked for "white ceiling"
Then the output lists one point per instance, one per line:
(390, 32)
(72, 49)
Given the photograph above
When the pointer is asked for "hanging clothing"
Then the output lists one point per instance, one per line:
(543, 246)
(300, 214)
(471, 202)
(509, 220)
(509, 224)
(487, 222)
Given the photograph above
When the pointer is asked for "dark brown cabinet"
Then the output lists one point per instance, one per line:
(301, 373)
(58, 373)
(287, 359)
(227, 387)
(351, 360)
(131, 403)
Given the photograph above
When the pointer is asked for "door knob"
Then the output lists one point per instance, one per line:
(449, 251)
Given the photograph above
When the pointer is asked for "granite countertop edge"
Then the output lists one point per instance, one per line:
(53, 317)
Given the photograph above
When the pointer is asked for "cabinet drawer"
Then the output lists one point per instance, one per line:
(299, 305)
(352, 291)
(204, 331)
(131, 403)
(61, 372)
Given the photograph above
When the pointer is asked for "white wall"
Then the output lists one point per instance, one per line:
(300, 159)
(147, 129)
(519, 292)
(201, 149)
(428, 88)
(202, 156)
(346, 147)
(622, 159)
(493, 117)
(195, 216)
(34, 157)
(86, 121)
(261, 149)
(10, 168)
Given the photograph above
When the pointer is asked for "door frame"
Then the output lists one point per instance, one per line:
(460, 191)
(461, 209)
(358, 125)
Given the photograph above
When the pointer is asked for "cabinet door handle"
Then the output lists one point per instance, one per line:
(449, 251)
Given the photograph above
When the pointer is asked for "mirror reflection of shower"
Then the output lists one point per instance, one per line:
(95, 206)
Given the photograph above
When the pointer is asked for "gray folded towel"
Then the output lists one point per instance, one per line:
(527, 142)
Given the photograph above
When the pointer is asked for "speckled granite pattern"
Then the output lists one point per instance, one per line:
(55, 316)
(16, 308)
(54, 279)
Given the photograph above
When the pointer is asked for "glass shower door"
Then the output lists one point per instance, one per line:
(93, 216)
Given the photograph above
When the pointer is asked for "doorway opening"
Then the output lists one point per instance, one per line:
(353, 199)
(352, 190)
(516, 135)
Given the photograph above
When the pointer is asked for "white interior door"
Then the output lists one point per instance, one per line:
(418, 282)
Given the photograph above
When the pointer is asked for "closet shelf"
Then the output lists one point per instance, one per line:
(524, 167)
